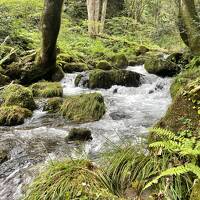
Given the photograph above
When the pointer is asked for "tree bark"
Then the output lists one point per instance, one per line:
(103, 14)
(189, 23)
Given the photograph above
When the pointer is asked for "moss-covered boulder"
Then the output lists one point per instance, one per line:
(13, 70)
(195, 191)
(74, 67)
(18, 95)
(141, 50)
(83, 108)
(13, 115)
(57, 74)
(4, 80)
(106, 79)
(161, 67)
(183, 79)
(184, 112)
(53, 104)
(80, 134)
(104, 65)
(47, 89)
(119, 61)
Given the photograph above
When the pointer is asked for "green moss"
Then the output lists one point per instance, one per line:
(47, 89)
(4, 80)
(195, 191)
(53, 104)
(13, 115)
(183, 79)
(104, 65)
(161, 67)
(84, 108)
(183, 114)
(141, 50)
(18, 95)
(119, 61)
(74, 67)
(105, 79)
(70, 179)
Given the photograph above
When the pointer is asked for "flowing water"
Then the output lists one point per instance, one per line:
(130, 111)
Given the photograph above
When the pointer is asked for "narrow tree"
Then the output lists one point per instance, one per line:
(189, 25)
(103, 14)
(46, 62)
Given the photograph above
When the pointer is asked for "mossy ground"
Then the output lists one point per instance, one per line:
(84, 108)
(47, 89)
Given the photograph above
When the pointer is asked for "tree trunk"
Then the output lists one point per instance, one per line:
(190, 22)
(103, 14)
(45, 65)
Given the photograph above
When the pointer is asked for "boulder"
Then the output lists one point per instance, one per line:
(13, 115)
(119, 61)
(4, 155)
(106, 79)
(58, 74)
(81, 134)
(74, 67)
(47, 89)
(18, 95)
(104, 65)
(83, 108)
(53, 104)
(161, 67)
(141, 50)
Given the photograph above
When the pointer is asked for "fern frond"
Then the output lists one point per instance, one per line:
(168, 145)
(163, 133)
(194, 169)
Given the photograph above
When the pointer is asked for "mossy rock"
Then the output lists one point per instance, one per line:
(183, 79)
(81, 134)
(13, 70)
(104, 65)
(13, 115)
(161, 67)
(195, 191)
(66, 58)
(83, 108)
(74, 67)
(57, 74)
(119, 61)
(141, 50)
(4, 80)
(106, 79)
(4, 155)
(184, 112)
(136, 60)
(47, 89)
(18, 95)
(53, 104)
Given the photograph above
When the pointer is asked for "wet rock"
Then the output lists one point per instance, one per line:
(58, 74)
(82, 80)
(119, 116)
(74, 67)
(106, 79)
(119, 61)
(161, 67)
(4, 155)
(115, 90)
(18, 95)
(104, 65)
(47, 89)
(53, 104)
(13, 115)
(81, 134)
(83, 108)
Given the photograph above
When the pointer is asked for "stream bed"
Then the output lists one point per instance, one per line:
(130, 111)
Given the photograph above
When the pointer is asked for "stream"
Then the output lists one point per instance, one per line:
(130, 111)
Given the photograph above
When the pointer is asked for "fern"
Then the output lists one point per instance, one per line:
(163, 133)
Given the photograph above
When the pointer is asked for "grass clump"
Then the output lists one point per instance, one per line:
(69, 180)
(13, 115)
(47, 89)
(53, 104)
(84, 108)
(18, 95)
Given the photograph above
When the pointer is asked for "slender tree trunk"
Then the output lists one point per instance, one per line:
(103, 15)
(190, 22)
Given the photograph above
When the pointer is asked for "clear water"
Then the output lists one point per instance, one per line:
(130, 111)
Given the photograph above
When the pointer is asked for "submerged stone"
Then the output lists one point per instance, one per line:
(81, 134)
(83, 108)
